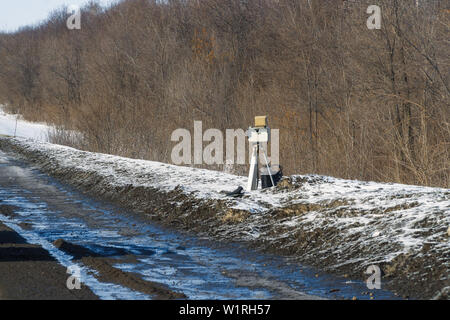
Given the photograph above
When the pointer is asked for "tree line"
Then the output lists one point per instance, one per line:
(349, 102)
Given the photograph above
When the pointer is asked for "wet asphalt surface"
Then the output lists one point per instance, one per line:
(44, 210)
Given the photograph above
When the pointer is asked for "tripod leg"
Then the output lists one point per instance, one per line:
(253, 173)
(268, 167)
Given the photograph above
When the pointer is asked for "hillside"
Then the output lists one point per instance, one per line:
(349, 101)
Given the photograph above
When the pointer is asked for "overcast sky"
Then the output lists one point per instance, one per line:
(18, 13)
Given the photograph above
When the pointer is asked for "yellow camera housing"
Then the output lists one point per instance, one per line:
(261, 122)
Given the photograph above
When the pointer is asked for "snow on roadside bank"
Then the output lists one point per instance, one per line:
(333, 223)
(25, 129)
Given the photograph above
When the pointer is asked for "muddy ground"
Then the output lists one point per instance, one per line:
(108, 273)
(212, 218)
(29, 272)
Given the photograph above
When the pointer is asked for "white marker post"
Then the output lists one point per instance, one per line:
(15, 128)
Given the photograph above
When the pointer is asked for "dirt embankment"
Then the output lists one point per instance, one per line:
(420, 274)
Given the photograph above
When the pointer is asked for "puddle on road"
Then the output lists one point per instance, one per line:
(201, 269)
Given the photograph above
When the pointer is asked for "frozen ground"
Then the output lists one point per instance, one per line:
(340, 225)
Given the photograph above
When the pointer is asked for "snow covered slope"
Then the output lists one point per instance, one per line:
(339, 225)
(23, 129)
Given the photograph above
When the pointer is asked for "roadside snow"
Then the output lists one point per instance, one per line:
(362, 203)
(25, 129)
